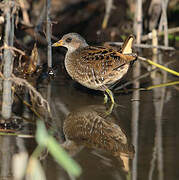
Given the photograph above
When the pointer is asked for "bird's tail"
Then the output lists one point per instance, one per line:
(126, 51)
(127, 45)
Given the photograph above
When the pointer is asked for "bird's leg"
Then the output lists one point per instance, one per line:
(109, 111)
(109, 92)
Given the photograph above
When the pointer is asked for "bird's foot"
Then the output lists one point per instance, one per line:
(110, 94)
(105, 98)
(113, 103)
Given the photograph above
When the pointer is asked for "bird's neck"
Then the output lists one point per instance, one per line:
(72, 49)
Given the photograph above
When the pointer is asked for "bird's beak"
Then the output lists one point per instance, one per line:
(58, 43)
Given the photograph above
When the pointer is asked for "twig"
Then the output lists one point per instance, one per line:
(48, 33)
(165, 23)
(24, 7)
(41, 18)
(8, 64)
(161, 85)
(29, 106)
(159, 66)
(23, 82)
(144, 46)
(108, 7)
(17, 134)
(170, 31)
(159, 94)
(138, 21)
(154, 13)
(12, 48)
(11, 37)
(151, 46)
(173, 83)
(154, 41)
(141, 76)
(154, 50)
(160, 26)
(136, 94)
(160, 33)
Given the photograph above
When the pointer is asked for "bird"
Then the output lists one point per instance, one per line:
(96, 67)
(89, 126)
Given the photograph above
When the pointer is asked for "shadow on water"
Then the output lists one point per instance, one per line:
(154, 133)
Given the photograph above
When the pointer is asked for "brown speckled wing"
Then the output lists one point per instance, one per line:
(104, 60)
(103, 65)
(108, 58)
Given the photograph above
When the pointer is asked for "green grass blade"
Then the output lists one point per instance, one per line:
(159, 66)
(59, 154)
(162, 85)
(163, 67)
(62, 157)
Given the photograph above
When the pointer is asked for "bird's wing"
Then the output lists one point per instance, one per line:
(104, 59)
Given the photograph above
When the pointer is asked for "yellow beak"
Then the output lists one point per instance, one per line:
(58, 43)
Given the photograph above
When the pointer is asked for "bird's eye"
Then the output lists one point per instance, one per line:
(68, 40)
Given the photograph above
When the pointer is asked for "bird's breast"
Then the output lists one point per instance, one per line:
(81, 71)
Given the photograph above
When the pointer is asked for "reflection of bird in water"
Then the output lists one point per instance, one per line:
(91, 127)
(96, 67)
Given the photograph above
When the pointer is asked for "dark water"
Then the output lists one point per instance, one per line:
(151, 125)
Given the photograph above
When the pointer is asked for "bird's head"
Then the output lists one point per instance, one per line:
(72, 41)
